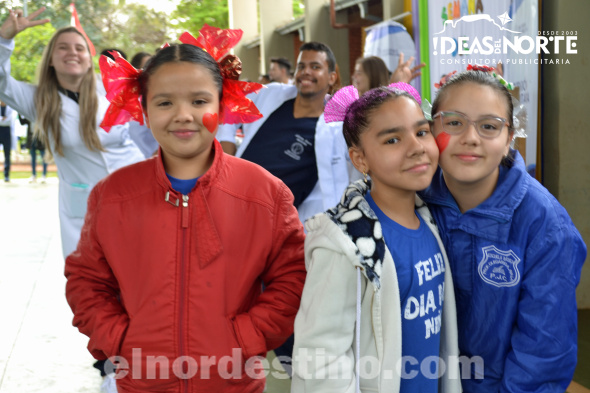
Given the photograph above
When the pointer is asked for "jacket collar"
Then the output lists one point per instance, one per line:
(356, 219)
(208, 241)
(492, 219)
(211, 176)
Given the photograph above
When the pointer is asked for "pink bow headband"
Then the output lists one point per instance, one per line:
(336, 108)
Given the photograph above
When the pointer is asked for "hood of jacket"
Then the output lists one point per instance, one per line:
(360, 224)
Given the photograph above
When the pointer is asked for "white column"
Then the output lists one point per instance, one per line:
(273, 14)
(318, 28)
(243, 15)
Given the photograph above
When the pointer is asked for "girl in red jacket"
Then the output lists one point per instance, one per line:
(166, 280)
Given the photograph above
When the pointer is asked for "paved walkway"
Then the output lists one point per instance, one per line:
(40, 351)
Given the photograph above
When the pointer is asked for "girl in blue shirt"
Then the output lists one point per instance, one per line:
(377, 311)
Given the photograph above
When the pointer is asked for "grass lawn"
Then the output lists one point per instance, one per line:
(27, 174)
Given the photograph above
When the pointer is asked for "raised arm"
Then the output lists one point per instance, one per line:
(405, 73)
(18, 95)
(17, 22)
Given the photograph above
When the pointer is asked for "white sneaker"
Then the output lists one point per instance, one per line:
(43, 179)
(109, 384)
(33, 179)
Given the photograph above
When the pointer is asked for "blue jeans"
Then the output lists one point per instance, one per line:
(34, 159)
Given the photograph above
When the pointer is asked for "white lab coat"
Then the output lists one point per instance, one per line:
(79, 169)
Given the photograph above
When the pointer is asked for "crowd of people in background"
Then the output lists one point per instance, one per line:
(345, 222)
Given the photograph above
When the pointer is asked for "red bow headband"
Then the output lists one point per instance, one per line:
(121, 81)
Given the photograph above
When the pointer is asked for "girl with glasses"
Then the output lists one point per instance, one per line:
(514, 252)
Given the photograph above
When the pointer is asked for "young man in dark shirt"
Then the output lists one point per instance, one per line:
(284, 141)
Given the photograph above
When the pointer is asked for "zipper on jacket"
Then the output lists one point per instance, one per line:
(185, 212)
(183, 261)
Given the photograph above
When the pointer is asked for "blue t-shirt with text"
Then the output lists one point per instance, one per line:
(420, 272)
(284, 146)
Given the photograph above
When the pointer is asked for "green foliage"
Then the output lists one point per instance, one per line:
(28, 51)
(126, 25)
(109, 24)
(191, 15)
(134, 28)
(298, 8)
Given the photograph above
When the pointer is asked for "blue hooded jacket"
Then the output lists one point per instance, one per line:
(516, 260)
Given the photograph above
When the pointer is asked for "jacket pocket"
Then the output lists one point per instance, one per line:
(233, 337)
(76, 199)
(241, 376)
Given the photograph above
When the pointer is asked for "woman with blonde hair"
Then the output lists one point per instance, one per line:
(67, 111)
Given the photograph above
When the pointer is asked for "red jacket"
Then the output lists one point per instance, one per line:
(158, 275)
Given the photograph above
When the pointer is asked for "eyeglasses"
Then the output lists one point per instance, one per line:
(454, 123)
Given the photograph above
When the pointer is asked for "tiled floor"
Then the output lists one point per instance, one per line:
(39, 349)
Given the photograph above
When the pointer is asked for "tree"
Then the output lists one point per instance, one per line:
(135, 28)
(298, 8)
(91, 13)
(28, 50)
(191, 15)
(130, 27)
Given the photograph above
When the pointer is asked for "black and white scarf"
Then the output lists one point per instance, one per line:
(358, 221)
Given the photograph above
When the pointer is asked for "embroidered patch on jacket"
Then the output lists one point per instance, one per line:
(499, 268)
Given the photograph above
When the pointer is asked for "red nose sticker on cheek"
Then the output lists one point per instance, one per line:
(442, 140)
(210, 121)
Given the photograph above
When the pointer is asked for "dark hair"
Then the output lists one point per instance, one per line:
(376, 70)
(105, 52)
(319, 47)
(264, 78)
(358, 115)
(480, 78)
(138, 58)
(176, 54)
(283, 62)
